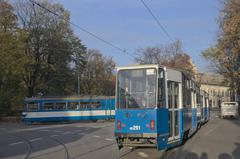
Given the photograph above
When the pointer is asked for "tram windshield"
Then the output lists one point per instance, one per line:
(136, 88)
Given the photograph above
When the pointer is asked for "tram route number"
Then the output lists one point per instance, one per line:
(135, 127)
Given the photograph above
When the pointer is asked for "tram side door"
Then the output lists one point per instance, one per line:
(173, 107)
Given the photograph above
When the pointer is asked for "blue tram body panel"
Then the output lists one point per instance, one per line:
(206, 114)
(199, 115)
(194, 118)
(181, 130)
(142, 118)
(162, 127)
(129, 119)
(186, 118)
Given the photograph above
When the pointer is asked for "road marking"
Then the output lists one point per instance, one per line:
(36, 139)
(96, 136)
(99, 127)
(68, 132)
(3, 129)
(54, 135)
(108, 139)
(58, 131)
(44, 130)
(142, 154)
(15, 143)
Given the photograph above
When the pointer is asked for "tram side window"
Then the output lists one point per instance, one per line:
(176, 100)
(49, 106)
(90, 105)
(95, 105)
(188, 95)
(186, 89)
(173, 94)
(60, 106)
(73, 105)
(184, 93)
(161, 89)
(32, 106)
(170, 101)
(198, 97)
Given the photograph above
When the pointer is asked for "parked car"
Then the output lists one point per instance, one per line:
(229, 109)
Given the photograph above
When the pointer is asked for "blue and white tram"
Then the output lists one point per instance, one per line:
(68, 109)
(155, 106)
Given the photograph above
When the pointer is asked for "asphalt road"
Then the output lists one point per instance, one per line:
(218, 139)
(78, 140)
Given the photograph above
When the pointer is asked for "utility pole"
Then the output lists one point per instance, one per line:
(78, 84)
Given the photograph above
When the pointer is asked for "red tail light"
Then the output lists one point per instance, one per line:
(152, 124)
(118, 125)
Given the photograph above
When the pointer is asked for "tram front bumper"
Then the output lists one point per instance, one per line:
(136, 135)
(136, 140)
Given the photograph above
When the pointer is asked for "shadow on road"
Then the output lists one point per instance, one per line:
(183, 154)
(235, 153)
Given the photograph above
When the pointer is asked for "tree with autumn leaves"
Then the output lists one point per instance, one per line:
(225, 55)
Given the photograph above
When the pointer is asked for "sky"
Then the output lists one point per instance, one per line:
(128, 25)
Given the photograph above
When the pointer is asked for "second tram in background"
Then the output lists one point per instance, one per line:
(157, 107)
(60, 109)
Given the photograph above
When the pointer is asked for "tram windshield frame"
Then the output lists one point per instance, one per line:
(138, 88)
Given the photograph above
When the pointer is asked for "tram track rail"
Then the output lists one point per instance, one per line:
(66, 150)
(27, 142)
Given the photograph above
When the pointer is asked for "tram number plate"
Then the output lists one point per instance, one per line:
(135, 127)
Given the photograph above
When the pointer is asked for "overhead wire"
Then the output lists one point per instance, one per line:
(157, 20)
(84, 30)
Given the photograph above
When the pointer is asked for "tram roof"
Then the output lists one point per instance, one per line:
(140, 66)
(68, 98)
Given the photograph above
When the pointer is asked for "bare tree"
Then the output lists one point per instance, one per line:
(170, 55)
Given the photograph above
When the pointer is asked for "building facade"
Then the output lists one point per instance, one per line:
(217, 94)
(217, 89)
